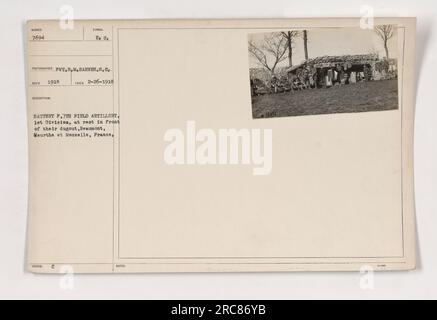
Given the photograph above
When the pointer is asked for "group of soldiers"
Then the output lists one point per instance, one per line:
(277, 85)
(312, 78)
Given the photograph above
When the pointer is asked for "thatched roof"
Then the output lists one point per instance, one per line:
(331, 61)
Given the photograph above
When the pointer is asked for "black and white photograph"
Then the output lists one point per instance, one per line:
(323, 71)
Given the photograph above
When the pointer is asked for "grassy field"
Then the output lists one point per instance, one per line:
(359, 97)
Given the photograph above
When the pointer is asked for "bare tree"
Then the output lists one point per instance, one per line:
(270, 51)
(305, 43)
(385, 32)
(289, 36)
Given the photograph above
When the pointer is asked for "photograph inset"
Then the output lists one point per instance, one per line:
(323, 71)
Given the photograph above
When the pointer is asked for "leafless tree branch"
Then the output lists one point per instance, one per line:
(273, 45)
(385, 32)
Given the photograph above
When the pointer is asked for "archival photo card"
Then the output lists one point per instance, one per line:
(182, 145)
(323, 71)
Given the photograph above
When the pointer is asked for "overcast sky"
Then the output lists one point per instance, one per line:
(337, 41)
